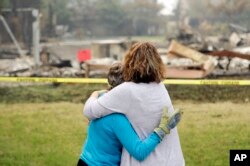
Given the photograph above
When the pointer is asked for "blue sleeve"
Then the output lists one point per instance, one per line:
(126, 134)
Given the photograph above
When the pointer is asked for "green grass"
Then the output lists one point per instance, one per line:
(78, 93)
(52, 134)
(210, 93)
(208, 131)
(41, 134)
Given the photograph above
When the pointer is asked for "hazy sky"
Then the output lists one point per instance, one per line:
(169, 6)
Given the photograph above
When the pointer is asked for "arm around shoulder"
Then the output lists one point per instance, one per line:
(114, 101)
(92, 109)
(137, 148)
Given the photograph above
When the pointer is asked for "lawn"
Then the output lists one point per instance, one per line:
(209, 130)
(52, 134)
(41, 134)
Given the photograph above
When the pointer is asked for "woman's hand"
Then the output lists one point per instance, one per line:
(168, 122)
(96, 94)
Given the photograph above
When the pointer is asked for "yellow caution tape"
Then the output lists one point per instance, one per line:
(207, 82)
(104, 81)
(54, 80)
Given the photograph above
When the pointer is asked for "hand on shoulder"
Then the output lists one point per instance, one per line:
(97, 93)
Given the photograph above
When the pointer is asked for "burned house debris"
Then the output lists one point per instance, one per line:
(188, 55)
(93, 59)
(195, 64)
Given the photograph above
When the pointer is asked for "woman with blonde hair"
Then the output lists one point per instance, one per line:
(141, 98)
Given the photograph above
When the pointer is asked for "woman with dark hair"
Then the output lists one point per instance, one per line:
(141, 98)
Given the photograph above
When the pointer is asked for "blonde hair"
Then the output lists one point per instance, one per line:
(142, 63)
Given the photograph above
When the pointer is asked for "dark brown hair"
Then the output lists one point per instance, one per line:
(115, 75)
(142, 63)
